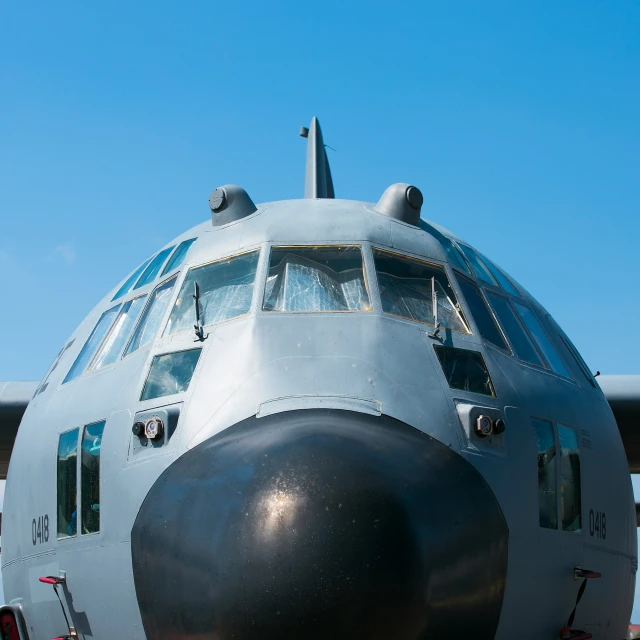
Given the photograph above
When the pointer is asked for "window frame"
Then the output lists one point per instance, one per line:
(334, 246)
(163, 322)
(464, 312)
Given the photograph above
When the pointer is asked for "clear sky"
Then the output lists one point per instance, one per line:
(519, 122)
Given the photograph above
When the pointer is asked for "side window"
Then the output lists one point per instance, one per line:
(497, 273)
(570, 491)
(582, 365)
(225, 291)
(316, 279)
(417, 290)
(477, 265)
(113, 344)
(547, 495)
(67, 480)
(170, 373)
(153, 269)
(486, 324)
(152, 316)
(91, 345)
(465, 370)
(178, 256)
(130, 280)
(540, 337)
(518, 337)
(90, 477)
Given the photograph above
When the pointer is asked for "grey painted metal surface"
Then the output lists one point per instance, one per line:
(364, 363)
(318, 182)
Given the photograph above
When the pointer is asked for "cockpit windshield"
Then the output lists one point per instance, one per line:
(316, 279)
(417, 290)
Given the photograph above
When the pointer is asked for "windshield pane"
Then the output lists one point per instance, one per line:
(408, 288)
(226, 291)
(178, 256)
(505, 283)
(91, 345)
(153, 269)
(481, 314)
(114, 343)
(454, 254)
(316, 279)
(130, 280)
(478, 266)
(170, 373)
(152, 317)
(544, 344)
(520, 341)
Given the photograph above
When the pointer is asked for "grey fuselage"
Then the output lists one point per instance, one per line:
(366, 366)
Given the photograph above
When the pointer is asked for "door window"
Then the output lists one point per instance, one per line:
(90, 477)
(67, 506)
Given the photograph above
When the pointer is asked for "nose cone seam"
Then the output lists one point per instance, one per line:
(316, 524)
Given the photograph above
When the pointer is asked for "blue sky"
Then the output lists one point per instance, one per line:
(519, 122)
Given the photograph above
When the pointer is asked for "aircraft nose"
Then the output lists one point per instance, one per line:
(320, 524)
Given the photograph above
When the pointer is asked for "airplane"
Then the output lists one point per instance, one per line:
(319, 418)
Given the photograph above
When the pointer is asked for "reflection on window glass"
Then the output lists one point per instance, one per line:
(409, 287)
(582, 365)
(178, 256)
(116, 339)
(130, 280)
(152, 317)
(226, 291)
(316, 279)
(520, 341)
(90, 477)
(570, 493)
(465, 370)
(91, 345)
(477, 265)
(454, 254)
(481, 314)
(547, 497)
(540, 337)
(67, 484)
(153, 269)
(497, 273)
(170, 373)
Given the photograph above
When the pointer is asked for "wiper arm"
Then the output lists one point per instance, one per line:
(199, 329)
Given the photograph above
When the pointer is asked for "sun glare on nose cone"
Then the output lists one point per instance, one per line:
(320, 524)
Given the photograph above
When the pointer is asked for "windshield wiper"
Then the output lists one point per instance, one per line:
(198, 327)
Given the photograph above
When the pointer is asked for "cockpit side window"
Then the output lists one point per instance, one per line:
(542, 341)
(91, 345)
(225, 290)
(417, 290)
(570, 489)
(67, 485)
(477, 265)
(130, 280)
(547, 492)
(518, 337)
(152, 316)
(499, 275)
(573, 352)
(153, 269)
(322, 278)
(454, 254)
(90, 477)
(178, 256)
(112, 345)
(170, 373)
(480, 312)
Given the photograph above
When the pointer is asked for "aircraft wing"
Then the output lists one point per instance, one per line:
(14, 398)
(623, 395)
